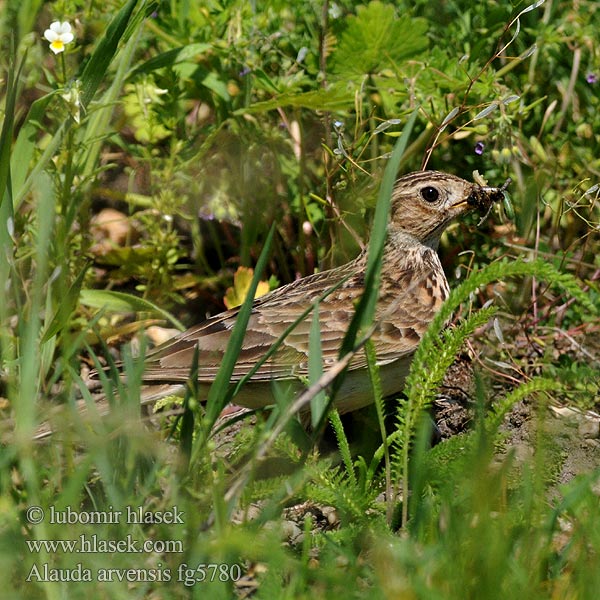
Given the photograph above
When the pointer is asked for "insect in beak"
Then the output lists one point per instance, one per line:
(484, 197)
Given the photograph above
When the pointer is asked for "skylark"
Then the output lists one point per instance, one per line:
(412, 289)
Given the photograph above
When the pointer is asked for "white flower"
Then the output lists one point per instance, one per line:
(58, 35)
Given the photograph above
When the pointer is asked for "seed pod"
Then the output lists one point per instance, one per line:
(507, 205)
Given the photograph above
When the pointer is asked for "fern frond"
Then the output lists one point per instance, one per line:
(380, 409)
(342, 442)
(435, 353)
(333, 487)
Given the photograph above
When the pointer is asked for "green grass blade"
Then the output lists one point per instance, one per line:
(122, 302)
(6, 196)
(366, 307)
(26, 142)
(91, 77)
(96, 68)
(186, 438)
(99, 121)
(6, 136)
(318, 403)
(65, 309)
(365, 310)
(190, 53)
(220, 391)
(27, 12)
(29, 358)
(380, 409)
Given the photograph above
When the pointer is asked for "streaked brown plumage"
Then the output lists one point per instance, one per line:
(413, 287)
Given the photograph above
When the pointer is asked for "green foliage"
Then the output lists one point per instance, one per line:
(579, 382)
(342, 444)
(203, 124)
(221, 390)
(120, 302)
(376, 39)
(435, 353)
(332, 487)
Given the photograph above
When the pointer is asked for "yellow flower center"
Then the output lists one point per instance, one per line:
(57, 45)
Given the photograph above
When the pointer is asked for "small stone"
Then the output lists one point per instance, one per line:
(290, 530)
(159, 335)
(592, 443)
(568, 413)
(330, 513)
(523, 452)
(253, 512)
(588, 422)
(589, 429)
(110, 229)
(341, 561)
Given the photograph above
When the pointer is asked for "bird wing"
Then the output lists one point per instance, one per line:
(401, 326)
(271, 316)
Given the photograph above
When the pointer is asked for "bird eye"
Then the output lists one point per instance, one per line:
(430, 194)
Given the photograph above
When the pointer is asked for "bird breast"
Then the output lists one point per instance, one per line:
(413, 289)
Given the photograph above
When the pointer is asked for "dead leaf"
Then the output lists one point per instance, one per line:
(234, 296)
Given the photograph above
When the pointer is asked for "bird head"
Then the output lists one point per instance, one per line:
(425, 202)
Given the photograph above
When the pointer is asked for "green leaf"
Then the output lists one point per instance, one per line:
(335, 97)
(98, 64)
(211, 81)
(120, 302)
(242, 279)
(66, 307)
(343, 445)
(188, 53)
(376, 39)
(28, 139)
